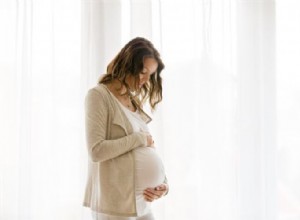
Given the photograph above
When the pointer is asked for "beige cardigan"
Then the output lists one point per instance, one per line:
(110, 187)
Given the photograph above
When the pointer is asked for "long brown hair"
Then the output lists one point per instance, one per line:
(129, 61)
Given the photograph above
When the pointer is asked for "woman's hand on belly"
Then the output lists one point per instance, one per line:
(150, 141)
(157, 192)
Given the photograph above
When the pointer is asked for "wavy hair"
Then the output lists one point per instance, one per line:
(129, 61)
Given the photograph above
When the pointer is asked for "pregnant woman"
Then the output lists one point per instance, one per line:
(125, 172)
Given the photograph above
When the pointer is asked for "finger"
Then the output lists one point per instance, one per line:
(153, 192)
(148, 199)
(152, 195)
(155, 195)
(162, 186)
(161, 191)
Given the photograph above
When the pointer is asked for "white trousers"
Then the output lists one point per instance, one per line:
(101, 216)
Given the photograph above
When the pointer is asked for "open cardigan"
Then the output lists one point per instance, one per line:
(110, 139)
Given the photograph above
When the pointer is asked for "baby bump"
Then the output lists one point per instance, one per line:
(149, 168)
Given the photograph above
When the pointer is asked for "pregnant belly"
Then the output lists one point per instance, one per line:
(149, 168)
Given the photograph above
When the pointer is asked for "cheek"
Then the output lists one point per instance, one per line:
(145, 78)
(142, 78)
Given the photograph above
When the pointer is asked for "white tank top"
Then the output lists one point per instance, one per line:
(149, 169)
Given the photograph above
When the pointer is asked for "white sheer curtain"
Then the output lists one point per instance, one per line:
(227, 122)
(222, 96)
(41, 128)
(288, 96)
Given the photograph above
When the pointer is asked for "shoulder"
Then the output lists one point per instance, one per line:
(97, 95)
(99, 88)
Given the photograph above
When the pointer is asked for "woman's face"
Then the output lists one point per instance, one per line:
(149, 68)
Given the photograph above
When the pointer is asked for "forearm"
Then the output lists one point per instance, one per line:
(103, 150)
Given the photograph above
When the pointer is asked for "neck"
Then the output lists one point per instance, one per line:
(117, 88)
(119, 91)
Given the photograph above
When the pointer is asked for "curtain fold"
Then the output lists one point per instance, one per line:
(257, 109)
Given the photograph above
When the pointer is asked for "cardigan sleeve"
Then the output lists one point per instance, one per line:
(96, 119)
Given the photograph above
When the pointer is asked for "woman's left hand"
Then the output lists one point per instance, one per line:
(157, 192)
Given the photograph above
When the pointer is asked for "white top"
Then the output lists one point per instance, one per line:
(148, 165)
